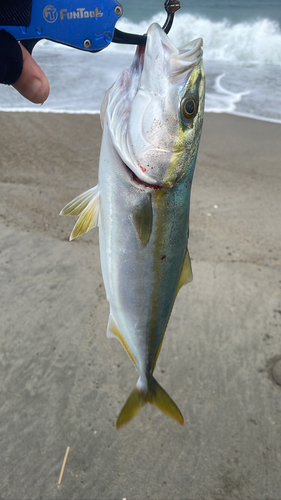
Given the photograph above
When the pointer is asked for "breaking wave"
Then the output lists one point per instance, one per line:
(258, 41)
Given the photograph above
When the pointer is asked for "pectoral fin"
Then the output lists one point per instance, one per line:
(87, 206)
(142, 218)
(186, 272)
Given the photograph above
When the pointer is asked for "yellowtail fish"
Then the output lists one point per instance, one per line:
(152, 119)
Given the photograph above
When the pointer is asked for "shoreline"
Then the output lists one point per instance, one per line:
(97, 112)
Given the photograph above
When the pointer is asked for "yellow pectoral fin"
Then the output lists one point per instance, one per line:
(87, 206)
(186, 272)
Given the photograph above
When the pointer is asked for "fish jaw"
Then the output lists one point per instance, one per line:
(143, 105)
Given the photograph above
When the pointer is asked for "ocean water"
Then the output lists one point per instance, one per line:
(242, 58)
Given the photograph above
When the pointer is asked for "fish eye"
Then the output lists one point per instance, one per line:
(189, 107)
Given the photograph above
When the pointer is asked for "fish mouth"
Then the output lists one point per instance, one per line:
(139, 182)
(138, 174)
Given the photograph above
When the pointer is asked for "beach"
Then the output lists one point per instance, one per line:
(62, 383)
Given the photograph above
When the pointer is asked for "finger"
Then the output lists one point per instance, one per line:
(32, 83)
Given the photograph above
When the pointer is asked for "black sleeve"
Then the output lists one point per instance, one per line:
(11, 61)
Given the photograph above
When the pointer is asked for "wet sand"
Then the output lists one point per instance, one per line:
(62, 383)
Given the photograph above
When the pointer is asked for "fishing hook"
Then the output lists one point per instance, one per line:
(171, 6)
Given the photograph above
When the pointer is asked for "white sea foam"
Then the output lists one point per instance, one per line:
(50, 110)
(223, 100)
(258, 41)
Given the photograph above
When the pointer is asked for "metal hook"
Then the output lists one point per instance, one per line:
(171, 6)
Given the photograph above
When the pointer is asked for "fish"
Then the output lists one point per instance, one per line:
(152, 120)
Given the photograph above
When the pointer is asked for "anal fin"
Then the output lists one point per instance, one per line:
(113, 331)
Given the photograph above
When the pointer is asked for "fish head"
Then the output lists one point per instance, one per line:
(155, 109)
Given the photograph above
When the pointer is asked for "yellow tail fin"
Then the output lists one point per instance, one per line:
(155, 395)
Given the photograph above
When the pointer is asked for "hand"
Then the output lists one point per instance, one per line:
(19, 69)
(32, 83)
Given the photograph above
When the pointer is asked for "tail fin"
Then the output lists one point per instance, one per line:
(155, 395)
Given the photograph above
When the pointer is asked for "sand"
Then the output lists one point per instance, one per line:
(62, 383)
